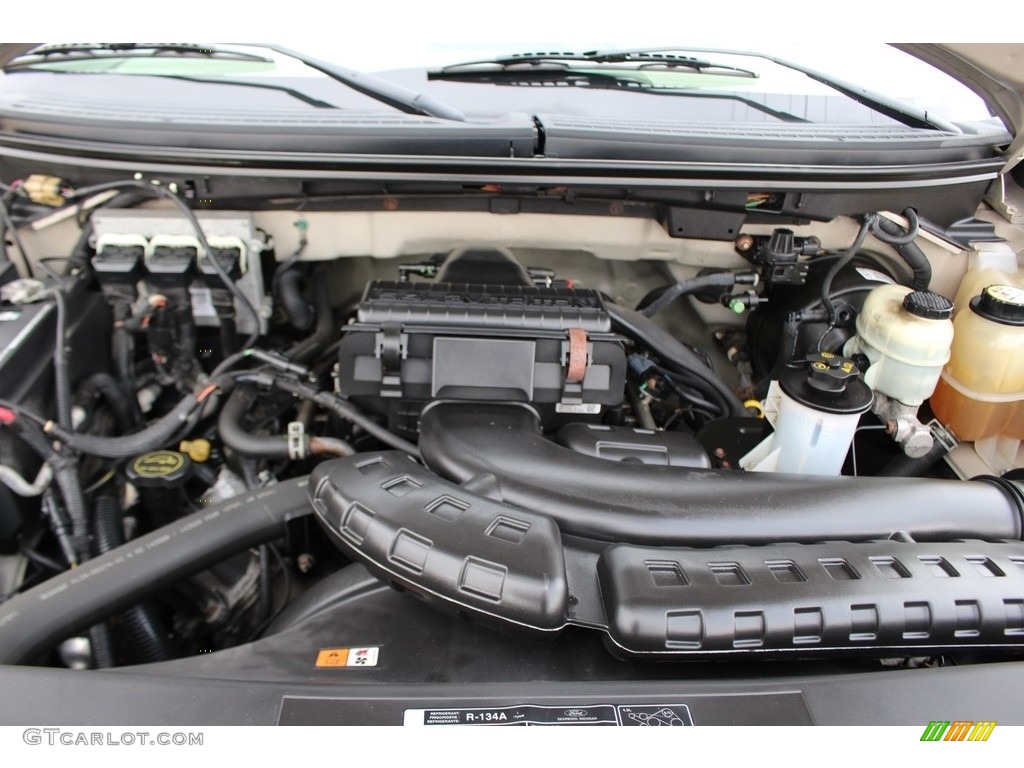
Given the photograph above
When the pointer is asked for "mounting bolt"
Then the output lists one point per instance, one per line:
(305, 562)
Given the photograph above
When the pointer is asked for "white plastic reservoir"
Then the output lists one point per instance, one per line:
(906, 335)
(816, 406)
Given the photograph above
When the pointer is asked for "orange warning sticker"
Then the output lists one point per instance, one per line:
(347, 657)
(332, 657)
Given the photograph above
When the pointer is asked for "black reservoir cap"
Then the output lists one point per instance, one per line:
(160, 469)
(827, 382)
(1001, 304)
(931, 306)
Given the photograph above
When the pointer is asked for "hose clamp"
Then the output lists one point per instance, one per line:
(296, 440)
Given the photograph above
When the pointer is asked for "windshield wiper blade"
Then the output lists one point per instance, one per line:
(389, 93)
(638, 60)
(48, 54)
(885, 105)
(559, 75)
(381, 90)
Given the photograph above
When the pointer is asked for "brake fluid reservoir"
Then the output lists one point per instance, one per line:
(906, 335)
(981, 391)
(819, 403)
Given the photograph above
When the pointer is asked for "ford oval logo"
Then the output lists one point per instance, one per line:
(575, 712)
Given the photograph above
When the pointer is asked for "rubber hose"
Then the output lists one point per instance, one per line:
(65, 474)
(60, 365)
(345, 410)
(904, 466)
(349, 412)
(840, 263)
(657, 300)
(110, 390)
(152, 437)
(35, 620)
(123, 352)
(289, 289)
(659, 505)
(65, 470)
(229, 425)
(911, 253)
(325, 329)
(266, 597)
(675, 355)
(142, 624)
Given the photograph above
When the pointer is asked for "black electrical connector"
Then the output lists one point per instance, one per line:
(781, 256)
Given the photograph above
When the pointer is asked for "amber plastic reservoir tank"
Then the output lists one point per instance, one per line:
(981, 391)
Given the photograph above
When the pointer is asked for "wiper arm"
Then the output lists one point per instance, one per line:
(381, 90)
(639, 60)
(306, 98)
(92, 51)
(389, 93)
(556, 74)
(885, 105)
(311, 100)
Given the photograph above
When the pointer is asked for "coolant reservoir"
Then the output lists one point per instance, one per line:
(816, 407)
(988, 264)
(907, 336)
(981, 391)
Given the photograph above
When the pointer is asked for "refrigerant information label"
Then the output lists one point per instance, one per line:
(746, 708)
(530, 714)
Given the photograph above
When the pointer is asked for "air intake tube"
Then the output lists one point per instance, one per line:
(642, 504)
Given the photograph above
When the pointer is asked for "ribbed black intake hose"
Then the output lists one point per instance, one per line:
(102, 646)
(34, 621)
(647, 504)
(229, 425)
(143, 625)
(289, 292)
(676, 356)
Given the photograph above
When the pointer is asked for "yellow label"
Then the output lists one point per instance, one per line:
(1006, 293)
(827, 355)
(819, 366)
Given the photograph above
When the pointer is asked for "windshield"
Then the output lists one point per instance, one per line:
(811, 84)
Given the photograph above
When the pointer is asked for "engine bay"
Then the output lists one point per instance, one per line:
(260, 435)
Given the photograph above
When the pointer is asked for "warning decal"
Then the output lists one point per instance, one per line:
(347, 657)
(676, 714)
(530, 714)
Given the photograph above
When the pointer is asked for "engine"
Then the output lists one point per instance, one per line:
(763, 452)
